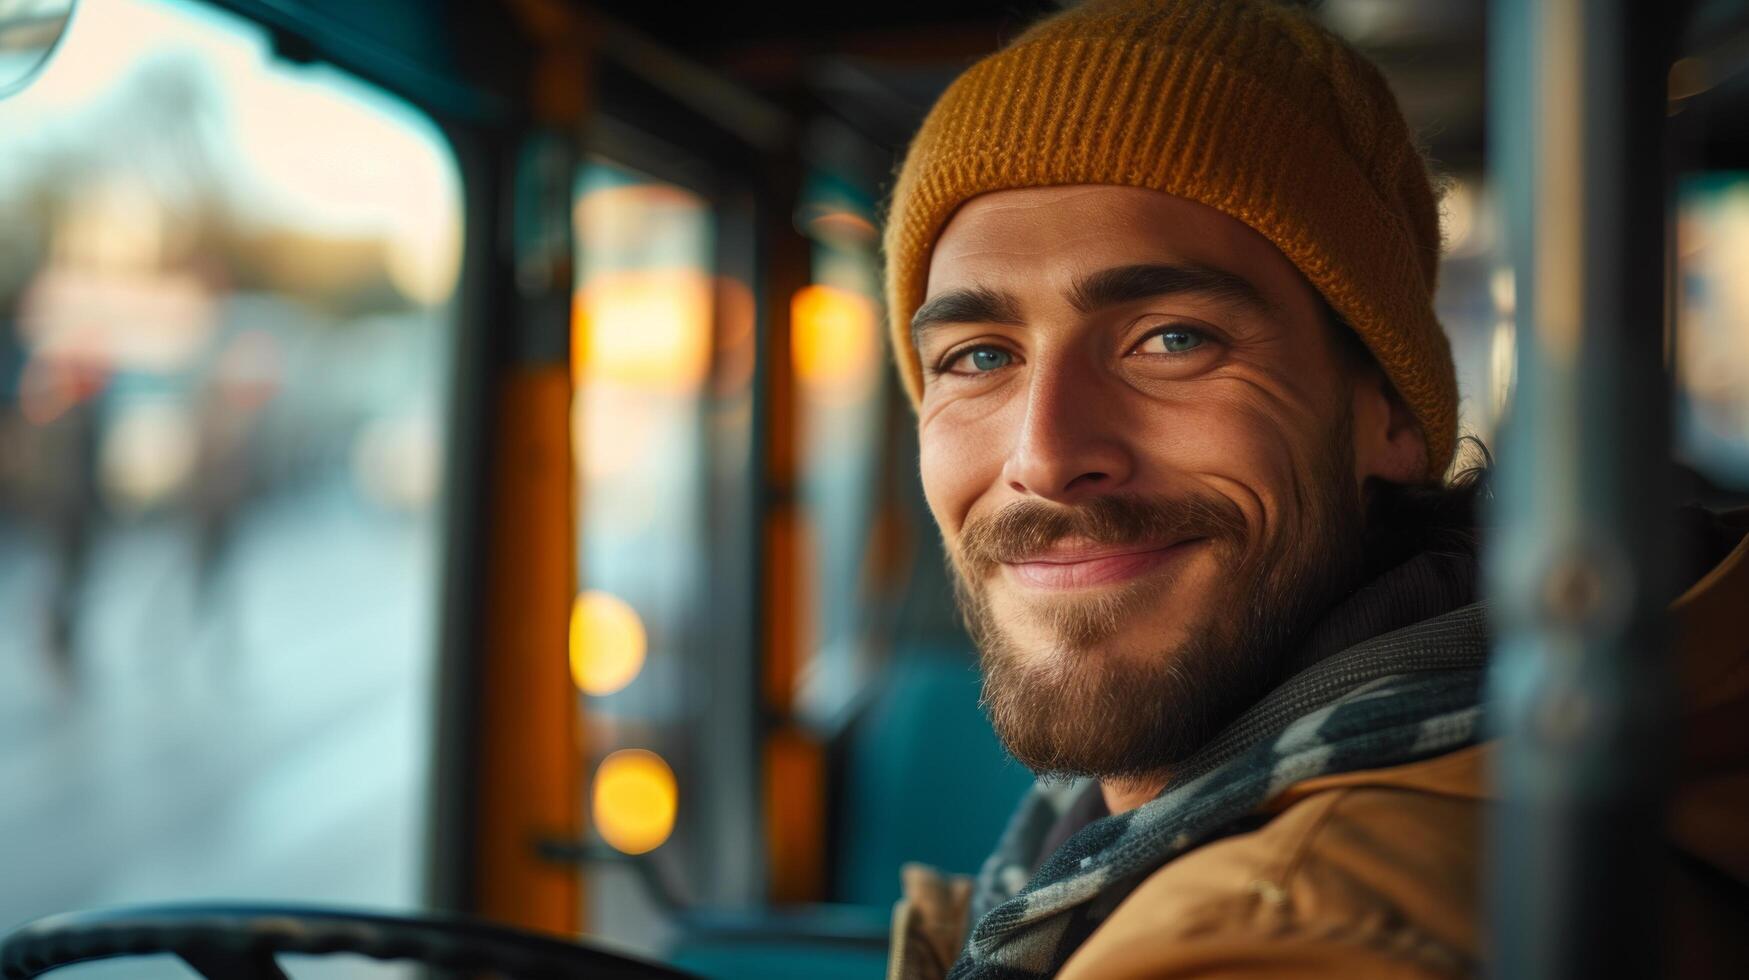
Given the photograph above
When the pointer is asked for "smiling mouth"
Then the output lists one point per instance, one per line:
(1092, 568)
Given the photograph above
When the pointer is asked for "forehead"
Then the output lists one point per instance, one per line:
(1043, 237)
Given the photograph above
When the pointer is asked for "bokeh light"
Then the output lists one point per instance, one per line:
(833, 342)
(644, 328)
(607, 643)
(644, 299)
(839, 224)
(635, 800)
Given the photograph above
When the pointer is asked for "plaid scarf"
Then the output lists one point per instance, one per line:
(1403, 696)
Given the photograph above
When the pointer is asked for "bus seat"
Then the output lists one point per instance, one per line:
(919, 776)
(922, 778)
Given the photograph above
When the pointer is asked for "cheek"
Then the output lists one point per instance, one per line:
(1248, 448)
(948, 482)
(955, 465)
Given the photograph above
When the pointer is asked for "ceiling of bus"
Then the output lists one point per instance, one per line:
(876, 65)
(886, 62)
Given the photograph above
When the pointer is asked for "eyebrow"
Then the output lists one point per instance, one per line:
(1095, 291)
(974, 304)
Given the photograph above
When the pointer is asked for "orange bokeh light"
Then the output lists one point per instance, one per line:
(608, 643)
(834, 343)
(635, 800)
(643, 328)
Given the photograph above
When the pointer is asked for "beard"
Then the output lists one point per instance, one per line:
(1080, 707)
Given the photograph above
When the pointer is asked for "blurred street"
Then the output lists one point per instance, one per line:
(222, 352)
(271, 746)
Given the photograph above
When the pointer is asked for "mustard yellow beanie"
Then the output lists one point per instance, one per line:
(1243, 105)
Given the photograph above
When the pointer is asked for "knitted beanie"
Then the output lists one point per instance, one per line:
(1246, 106)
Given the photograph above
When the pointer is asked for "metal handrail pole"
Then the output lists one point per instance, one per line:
(1580, 689)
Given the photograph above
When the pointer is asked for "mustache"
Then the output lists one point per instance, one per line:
(1026, 528)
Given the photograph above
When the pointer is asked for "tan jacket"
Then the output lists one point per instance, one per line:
(1377, 873)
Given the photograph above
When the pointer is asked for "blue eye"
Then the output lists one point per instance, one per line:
(1177, 340)
(985, 359)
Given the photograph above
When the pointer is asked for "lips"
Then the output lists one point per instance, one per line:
(1085, 568)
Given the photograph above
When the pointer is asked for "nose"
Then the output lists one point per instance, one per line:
(1071, 442)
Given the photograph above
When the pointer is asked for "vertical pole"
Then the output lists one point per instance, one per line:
(530, 771)
(792, 758)
(1577, 573)
(507, 770)
(728, 807)
(485, 298)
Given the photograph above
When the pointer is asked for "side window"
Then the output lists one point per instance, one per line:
(1475, 305)
(840, 363)
(1711, 336)
(224, 344)
(1712, 339)
(644, 354)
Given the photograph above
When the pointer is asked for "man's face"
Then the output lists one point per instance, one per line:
(1145, 451)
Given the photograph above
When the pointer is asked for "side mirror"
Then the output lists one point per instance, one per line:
(29, 31)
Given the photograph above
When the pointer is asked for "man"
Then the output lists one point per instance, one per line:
(1160, 277)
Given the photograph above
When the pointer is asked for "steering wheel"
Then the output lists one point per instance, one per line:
(239, 942)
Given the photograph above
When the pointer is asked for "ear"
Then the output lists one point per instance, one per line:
(1388, 444)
